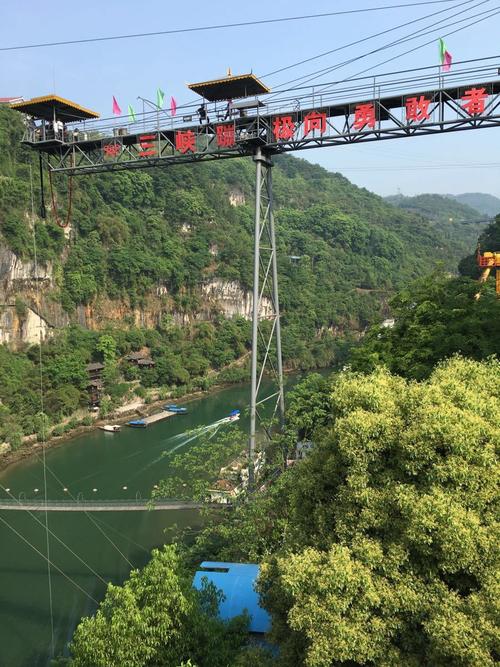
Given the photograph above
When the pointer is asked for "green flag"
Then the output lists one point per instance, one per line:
(442, 50)
(131, 113)
(160, 96)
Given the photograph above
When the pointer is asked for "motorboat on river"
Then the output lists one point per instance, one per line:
(172, 407)
(110, 428)
(137, 423)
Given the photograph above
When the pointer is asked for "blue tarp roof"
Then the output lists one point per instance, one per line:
(237, 582)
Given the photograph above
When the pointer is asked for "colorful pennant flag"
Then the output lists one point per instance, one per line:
(131, 113)
(116, 107)
(445, 56)
(160, 97)
(173, 106)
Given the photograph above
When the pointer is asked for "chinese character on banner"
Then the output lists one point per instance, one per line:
(314, 121)
(417, 108)
(283, 127)
(185, 141)
(112, 150)
(474, 101)
(147, 145)
(225, 135)
(364, 114)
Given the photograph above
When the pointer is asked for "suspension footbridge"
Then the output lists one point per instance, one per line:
(132, 505)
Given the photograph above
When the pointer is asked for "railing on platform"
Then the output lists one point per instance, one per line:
(348, 91)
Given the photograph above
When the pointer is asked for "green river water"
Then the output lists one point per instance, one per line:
(106, 462)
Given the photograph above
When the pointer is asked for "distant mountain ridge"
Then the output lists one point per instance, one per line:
(454, 220)
(482, 202)
(436, 207)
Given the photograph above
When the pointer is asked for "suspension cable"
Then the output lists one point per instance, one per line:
(358, 41)
(49, 562)
(56, 537)
(42, 414)
(59, 222)
(174, 31)
(306, 78)
(87, 514)
(421, 46)
(125, 537)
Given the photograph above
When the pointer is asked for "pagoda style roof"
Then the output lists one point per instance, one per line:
(48, 106)
(230, 88)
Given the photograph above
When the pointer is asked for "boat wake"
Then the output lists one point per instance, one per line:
(182, 439)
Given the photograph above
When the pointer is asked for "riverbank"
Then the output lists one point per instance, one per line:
(121, 415)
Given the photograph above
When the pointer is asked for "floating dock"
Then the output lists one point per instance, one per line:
(151, 419)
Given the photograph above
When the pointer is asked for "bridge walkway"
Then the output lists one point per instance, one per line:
(104, 505)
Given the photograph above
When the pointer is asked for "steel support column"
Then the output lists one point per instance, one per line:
(265, 356)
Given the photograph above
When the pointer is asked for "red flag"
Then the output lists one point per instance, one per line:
(173, 106)
(116, 107)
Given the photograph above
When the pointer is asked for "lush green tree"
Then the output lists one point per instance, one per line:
(157, 618)
(66, 368)
(435, 318)
(106, 345)
(390, 554)
(63, 401)
(193, 471)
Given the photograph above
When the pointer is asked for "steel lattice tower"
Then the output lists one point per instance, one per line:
(265, 285)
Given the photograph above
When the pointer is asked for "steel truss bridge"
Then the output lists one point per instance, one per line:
(373, 109)
(392, 106)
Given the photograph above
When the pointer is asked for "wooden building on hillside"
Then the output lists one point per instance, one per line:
(95, 385)
(140, 359)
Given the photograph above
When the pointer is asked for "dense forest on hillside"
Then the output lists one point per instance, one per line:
(175, 229)
(436, 317)
(459, 223)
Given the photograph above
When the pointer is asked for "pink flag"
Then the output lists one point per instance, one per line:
(445, 56)
(173, 106)
(116, 107)
(447, 61)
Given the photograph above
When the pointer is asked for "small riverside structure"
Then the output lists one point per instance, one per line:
(146, 421)
(237, 582)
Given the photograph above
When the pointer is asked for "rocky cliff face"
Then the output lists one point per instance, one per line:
(29, 307)
(230, 299)
(26, 311)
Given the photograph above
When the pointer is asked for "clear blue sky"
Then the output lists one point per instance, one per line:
(91, 73)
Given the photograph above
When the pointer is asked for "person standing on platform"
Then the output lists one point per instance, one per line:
(202, 113)
(58, 129)
(229, 109)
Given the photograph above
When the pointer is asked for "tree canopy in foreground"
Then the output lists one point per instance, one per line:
(393, 556)
(379, 549)
(157, 618)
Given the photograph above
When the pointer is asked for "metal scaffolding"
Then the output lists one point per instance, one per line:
(266, 338)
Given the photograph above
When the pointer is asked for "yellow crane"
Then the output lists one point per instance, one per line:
(488, 261)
